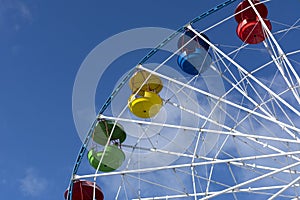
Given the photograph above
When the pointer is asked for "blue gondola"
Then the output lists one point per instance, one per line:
(194, 57)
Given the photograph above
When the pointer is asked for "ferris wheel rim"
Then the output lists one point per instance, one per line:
(212, 194)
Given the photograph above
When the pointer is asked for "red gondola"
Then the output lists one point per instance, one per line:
(250, 29)
(83, 190)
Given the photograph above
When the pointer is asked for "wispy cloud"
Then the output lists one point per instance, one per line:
(24, 10)
(3, 181)
(14, 13)
(32, 184)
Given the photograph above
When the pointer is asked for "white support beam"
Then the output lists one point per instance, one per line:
(272, 119)
(284, 188)
(232, 132)
(239, 67)
(236, 187)
(212, 162)
(279, 49)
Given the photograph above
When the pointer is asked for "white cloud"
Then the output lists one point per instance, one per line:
(32, 184)
(14, 13)
(3, 181)
(24, 10)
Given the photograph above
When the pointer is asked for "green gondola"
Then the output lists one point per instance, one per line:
(104, 129)
(113, 158)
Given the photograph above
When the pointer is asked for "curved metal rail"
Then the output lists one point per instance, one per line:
(144, 59)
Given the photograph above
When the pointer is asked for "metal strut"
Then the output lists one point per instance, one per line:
(144, 59)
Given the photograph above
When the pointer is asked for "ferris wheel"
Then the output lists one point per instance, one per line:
(201, 117)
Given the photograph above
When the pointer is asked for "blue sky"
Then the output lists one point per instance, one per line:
(43, 44)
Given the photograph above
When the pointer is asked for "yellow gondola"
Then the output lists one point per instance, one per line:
(138, 83)
(146, 106)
